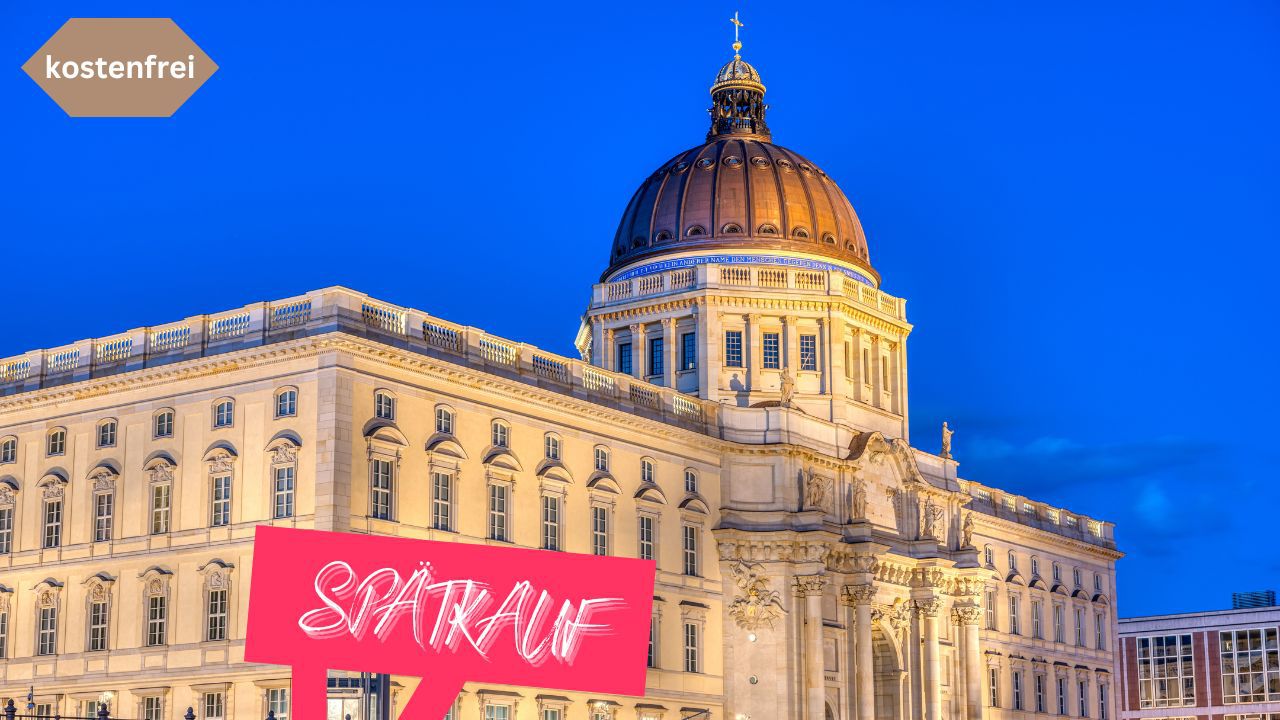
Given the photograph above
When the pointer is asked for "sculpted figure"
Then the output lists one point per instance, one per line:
(946, 440)
(817, 492)
(788, 387)
(758, 604)
(859, 499)
(966, 531)
(929, 518)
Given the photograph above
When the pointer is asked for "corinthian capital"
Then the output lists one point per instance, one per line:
(858, 594)
(927, 607)
(808, 585)
(966, 615)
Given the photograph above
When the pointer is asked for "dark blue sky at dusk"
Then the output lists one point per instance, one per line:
(1080, 202)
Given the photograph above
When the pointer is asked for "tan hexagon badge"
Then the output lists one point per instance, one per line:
(120, 67)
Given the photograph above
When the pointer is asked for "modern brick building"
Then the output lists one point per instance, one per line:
(1218, 665)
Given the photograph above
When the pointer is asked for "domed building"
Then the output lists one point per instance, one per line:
(737, 416)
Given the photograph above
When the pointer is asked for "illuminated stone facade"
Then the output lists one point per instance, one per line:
(812, 563)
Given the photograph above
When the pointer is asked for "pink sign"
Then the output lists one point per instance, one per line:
(446, 612)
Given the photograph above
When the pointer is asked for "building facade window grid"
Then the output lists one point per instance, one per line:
(384, 406)
(657, 360)
(6, 530)
(160, 508)
(550, 522)
(442, 501)
(645, 533)
(286, 403)
(8, 451)
(213, 706)
(47, 640)
(157, 620)
(623, 364)
(688, 351)
(692, 654)
(380, 489)
(223, 414)
(599, 530)
(733, 348)
(444, 421)
(52, 523)
(163, 425)
(216, 620)
(498, 512)
(57, 444)
(1017, 689)
(103, 515)
(808, 352)
(283, 492)
(1250, 665)
(107, 434)
(97, 626)
(689, 544)
(771, 351)
(220, 501)
(278, 702)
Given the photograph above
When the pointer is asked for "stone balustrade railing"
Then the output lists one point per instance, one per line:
(340, 309)
(1025, 511)
(765, 277)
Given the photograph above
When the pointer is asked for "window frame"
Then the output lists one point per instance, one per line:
(384, 405)
(56, 442)
(105, 437)
(733, 350)
(808, 352)
(224, 413)
(163, 422)
(286, 402)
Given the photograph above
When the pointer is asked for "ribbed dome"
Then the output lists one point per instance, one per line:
(738, 73)
(739, 194)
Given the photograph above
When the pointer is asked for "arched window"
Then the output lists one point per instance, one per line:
(1035, 566)
(1057, 572)
(1013, 561)
(384, 405)
(107, 433)
(444, 420)
(602, 458)
(663, 235)
(800, 233)
(695, 230)
(767, 229)
(551, 445)
(690, 481)
(731, 229)
(646, 470)
(57, 442)
(829, 239)
(286, 402)
(162, 423)
(224, 412)
(8, 450)
(989, 556)
(501, 434)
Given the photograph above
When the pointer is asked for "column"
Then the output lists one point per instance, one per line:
(966, 619)
(810, 587)
(607, 350)
(824, 356)
(931, 662)
(639, 353)
(752, 351)
(671, 358)
(789, 350)
(860, 596)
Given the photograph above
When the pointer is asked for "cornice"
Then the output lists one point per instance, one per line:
(851, 310)
(1001, 523)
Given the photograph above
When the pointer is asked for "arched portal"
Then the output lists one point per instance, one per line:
(888, 673)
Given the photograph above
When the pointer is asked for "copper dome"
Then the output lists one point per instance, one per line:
(739, 194)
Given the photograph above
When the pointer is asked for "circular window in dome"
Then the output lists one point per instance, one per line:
(760, 162)
(767, 229)
(800, 233)
(829, 239)
(806, 168)
(680, 167)
(731, 229)
(732, 161)
(786, 164)
(706, 163)
(695, 230)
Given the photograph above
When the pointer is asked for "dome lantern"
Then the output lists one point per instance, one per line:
(737, 97)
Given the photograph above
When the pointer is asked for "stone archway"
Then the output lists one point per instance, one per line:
(831, 714)
(888, 673)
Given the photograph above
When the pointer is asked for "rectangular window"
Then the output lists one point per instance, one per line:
(1059, 632)
(157, 619)
(48, 632)
(1062, 696)
(1014, 619)
(1102, 702)
(103, 513)
(848, 360)
(107, 434)
(688, 351)
(1040, 704)
(380, 489)
(44, 710)
(220, 512)
(691, 653)
(657, 366)
(52, 523)
(599, 530)
(550, 522)
(97, 626)
(160, 509)
(287, 403)
(993, 686)
(1079, 616)
(6, 530)
(152, 708)
(1250, 666)
(624, 358)
(216, 623)
(442, 501)
(213, 706)
(808, 352)
(884, 373)
(690, 545)
(733, 348)
(646, 535)
(1099, 632)
(1084, 698)
(4, 635)
(284, 492)
(1037, 630)
(164, 424)
(991, 609)
(866, 366)
(1017, 689)
(653, 643)
(223, 414)
(497, 712)
(690, 481)
(278, 702)
(772, 351)
(552, 714)
(498, 512)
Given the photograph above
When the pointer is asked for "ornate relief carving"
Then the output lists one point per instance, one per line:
(98, 593)
(284, 454)
(6, 495)
(898, 614)
(221, 463)
(930, 517)
(217, 580)
(861, 594)
(758, 604)
(161, 472)
(54, 491)
(927, 607)
(103, 480)
(47, 598)
(966, 615)
(808, 585)
(155, 586)
(858, 504)
(817, 492)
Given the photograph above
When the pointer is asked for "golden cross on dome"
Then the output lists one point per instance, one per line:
(737, 44)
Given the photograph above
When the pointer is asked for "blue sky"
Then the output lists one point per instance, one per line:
(1079, 202)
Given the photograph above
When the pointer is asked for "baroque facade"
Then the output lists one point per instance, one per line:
(739, 415)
